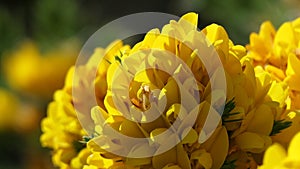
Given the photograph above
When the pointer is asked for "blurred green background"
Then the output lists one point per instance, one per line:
(50, 22)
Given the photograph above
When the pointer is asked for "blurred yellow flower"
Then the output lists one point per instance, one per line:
(8, 108)
(276, 156)
(29, 71)
(15, 115)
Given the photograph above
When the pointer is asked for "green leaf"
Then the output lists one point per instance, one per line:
(118, 59)
(86, 139)
(229, 106)
(78, 146)
(280, 125)
(229, 164)
(107, 61)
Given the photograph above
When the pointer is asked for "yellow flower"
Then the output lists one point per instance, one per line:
(61, 129)
(276, 157)
(251, 119)
(155, 82)
(21, 117)
(8, 108)
(277, 52)
(188, 153)
(256, 111)
(30, 72)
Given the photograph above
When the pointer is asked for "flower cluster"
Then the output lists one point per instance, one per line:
(277, 52)
(168, 86)
(62, 130)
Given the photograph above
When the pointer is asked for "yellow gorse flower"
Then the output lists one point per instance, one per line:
(61, 129)
(277, 52)
(241, 133)
(212, 153)
(188, 153)
(251, 121)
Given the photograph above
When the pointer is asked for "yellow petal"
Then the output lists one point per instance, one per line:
(250, 85)
(267, 30)
(293, 82)
(220, 148)
(203, 158)
(130, 128)
(173, 112)
(284, 43)
(189, 22)
(293, 69)
(253, 142)
(109, 104)
(172, 92)
(294, 148)
(97, 160)
(262, 122)
(160, 135)
(278, 93)
(157, 123)
(166, 41)
(263, 83)
(182, 157)
(274, 155)
(90, 167)
(191, 17)
(258, 50)
(148, 41)
(217, 145)
(275, 71)
(285, 35)
(217, 35)
(163, 159)
(189, 136)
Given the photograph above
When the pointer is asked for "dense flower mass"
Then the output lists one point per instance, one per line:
(164, 78)
(62, 130)
(277, 52)
(188, 153)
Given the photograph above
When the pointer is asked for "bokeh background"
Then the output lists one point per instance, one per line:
(40, 40)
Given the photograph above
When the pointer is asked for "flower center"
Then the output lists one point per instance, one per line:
(143, 100)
